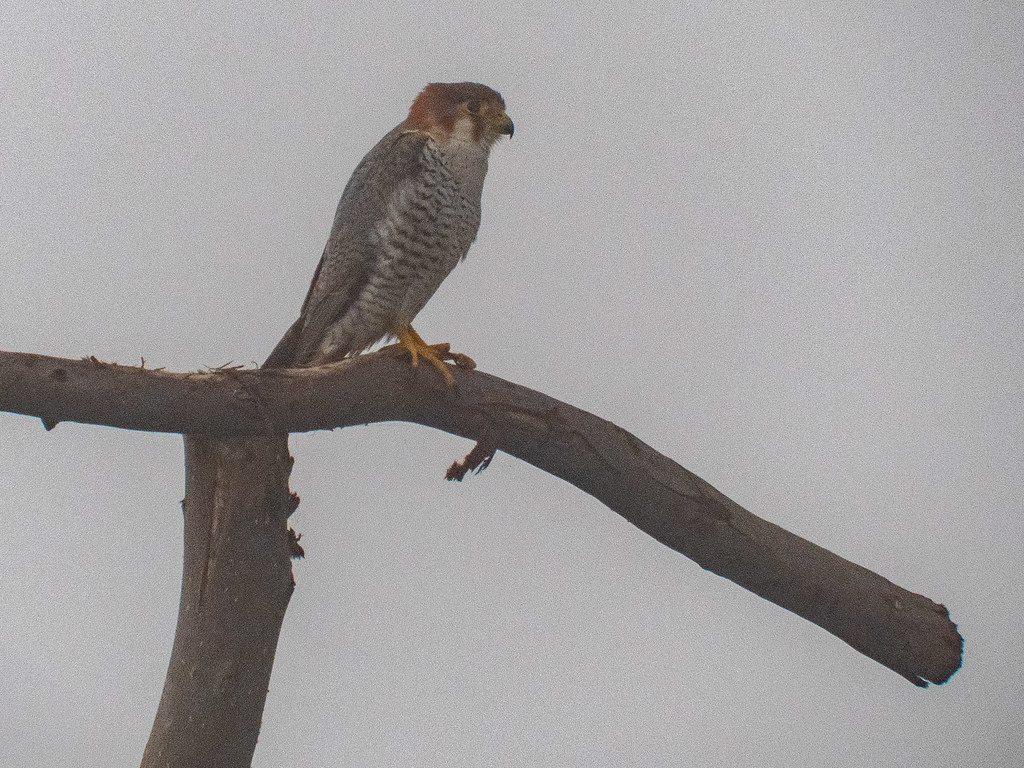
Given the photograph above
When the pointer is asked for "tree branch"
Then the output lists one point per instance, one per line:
(235, 587)
(904, 631)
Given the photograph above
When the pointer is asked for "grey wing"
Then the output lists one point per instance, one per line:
(352, 254)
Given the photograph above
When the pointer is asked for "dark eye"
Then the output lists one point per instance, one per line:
(473, 106)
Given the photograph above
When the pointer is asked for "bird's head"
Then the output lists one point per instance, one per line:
(460, 111)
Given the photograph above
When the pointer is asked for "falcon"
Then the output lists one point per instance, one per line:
(407, 216)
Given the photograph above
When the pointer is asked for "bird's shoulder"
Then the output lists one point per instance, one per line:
(401, 157)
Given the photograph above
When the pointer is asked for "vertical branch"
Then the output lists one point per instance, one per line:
(236, 585)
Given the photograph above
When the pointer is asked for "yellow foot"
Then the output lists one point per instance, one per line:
(435, 353)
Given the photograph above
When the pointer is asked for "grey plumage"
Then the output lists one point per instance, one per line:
(408, 215)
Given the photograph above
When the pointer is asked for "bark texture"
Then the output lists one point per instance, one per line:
(905, 631)
(235, 588)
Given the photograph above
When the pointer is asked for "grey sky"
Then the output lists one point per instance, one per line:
(781, 243)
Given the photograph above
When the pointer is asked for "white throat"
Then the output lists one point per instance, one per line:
(467, 158)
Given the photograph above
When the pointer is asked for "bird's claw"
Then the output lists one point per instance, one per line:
(436, 354)
(443, 352)
(465, 362)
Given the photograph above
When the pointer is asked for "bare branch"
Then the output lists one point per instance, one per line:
(905, 631)
(236, 583)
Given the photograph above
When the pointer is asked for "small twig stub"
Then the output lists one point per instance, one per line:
(476, 461)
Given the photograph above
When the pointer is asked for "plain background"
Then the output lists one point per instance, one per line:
(781, 242)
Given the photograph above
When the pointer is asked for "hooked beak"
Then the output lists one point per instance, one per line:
(505, 125)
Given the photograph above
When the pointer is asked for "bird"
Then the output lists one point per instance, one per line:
(407, 216)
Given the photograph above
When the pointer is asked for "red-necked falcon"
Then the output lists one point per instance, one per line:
(407, 216)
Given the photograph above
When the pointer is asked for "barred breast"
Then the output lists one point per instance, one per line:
(426, 227)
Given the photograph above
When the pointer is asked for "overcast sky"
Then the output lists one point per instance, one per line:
(779, 242)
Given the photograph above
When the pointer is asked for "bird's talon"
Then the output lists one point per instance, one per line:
(434, 353)
(465, 362)
(448, 378)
